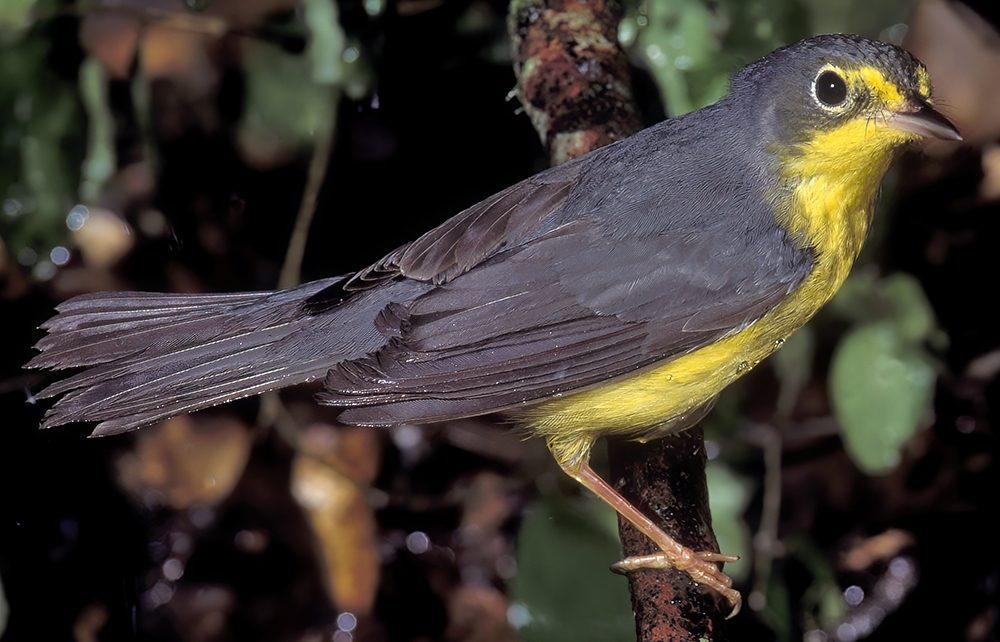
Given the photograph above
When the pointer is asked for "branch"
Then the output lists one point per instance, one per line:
(574, 84)
(665, 479)
(572, 77)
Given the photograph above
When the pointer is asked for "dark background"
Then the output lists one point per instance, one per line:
(439, 137)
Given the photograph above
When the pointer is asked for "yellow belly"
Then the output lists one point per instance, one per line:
(823, 212)
(663, 399)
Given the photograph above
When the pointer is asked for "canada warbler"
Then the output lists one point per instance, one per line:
(616, 294)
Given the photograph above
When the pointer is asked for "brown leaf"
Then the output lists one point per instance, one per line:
(189, 462)
(329, 480)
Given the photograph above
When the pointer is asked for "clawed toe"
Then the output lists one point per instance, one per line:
(700, 567)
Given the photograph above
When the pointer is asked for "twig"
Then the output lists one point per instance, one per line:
(574, 84)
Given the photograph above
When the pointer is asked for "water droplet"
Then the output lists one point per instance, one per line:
(59, 255)
(43, 270)
(518, 615)
(779, 342)
(27, 256)
(77, 217)
(12, 207)
(847, 632)
(347, 621)
(407, 436)
(854, 594)
(418, 542)
(173, 569)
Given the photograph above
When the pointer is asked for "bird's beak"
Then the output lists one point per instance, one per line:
(917, 117)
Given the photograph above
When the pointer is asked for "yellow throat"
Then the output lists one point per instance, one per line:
(829, 186)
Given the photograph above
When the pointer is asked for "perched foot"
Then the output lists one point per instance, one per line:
(699, 566)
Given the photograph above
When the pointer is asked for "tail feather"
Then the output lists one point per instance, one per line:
(147, 357)
(99, 328)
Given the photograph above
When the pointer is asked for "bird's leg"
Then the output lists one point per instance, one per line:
(700, 566)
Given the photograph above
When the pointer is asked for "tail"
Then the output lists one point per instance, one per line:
(147, 357)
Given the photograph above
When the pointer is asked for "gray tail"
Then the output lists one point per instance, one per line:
(147, 357)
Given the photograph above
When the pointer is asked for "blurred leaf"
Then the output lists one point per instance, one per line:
(760, 26)
(881, 386)
(692, 47)
(793, 368)
(899, 297)
(189, 461)
(4, 609)
(911, 309)
(102, 237)
(197, 5)
(679, 35)
(289, 96)
(285, 108)
(16, 17)
(824, 597)
(40, 151)
(342, 520)
(778, 613)
(854, 300)
(100, 163)
(728, 495)
(563, 586)
(858, 16)
(882, 380)
(326, 41)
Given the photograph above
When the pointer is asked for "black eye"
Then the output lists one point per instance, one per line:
(831, 89)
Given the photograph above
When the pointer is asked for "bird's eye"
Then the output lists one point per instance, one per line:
(831, 90)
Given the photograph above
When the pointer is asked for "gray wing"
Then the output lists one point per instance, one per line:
(588, 272)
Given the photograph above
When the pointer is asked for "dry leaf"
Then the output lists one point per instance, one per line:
(188, 462)
(329, 480)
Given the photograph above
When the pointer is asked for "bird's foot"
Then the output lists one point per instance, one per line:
(700, 566)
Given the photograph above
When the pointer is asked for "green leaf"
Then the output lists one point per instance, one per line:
(4, 610)
(40, 152)
(16, 17)
(793, 368)
(100, 163)
(778, 611)
(564, 590)
(285, 107)
(679, 36)
(856, 300)
(912, 311)
(823, 602)
(882, 387)
(728, 494)
(326, 41)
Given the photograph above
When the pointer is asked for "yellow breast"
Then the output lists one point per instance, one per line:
(822, 209)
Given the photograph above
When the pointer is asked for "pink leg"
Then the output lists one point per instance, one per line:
(699, 565)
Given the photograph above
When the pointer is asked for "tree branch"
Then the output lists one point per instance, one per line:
(665, 479)
(574, 84)
(572, 77)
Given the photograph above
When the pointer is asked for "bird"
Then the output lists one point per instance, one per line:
(616, 294)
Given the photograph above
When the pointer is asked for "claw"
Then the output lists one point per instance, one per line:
(700, 566)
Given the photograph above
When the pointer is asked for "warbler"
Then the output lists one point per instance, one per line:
(616, 294)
